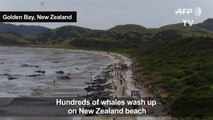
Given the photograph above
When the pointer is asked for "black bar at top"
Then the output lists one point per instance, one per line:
(50, 16)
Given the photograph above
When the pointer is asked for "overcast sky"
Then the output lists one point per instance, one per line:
(104, 14)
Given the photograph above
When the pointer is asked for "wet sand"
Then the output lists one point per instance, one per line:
(23, 64)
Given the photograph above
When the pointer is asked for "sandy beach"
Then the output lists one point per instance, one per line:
(124, 89)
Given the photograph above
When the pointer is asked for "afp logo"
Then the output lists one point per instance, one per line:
(197, 11)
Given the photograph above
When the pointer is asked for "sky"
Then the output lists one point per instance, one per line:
(104, 14)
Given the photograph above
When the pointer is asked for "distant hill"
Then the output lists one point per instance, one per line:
(120, 35)
(207, 24)
(12, 39)
(122, 29)
(186, 31)
(78, 36)
(22, 29)
(61, 34)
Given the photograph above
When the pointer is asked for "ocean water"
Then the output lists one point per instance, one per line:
(19, 63)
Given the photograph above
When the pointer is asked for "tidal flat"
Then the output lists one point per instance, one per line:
(47, 72)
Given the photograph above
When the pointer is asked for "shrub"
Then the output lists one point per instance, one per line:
(177, 73)
(194, 80)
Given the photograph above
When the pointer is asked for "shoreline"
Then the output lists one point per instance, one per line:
(128, 86)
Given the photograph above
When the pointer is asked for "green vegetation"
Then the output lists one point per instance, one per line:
(184, 68)
(22, 29)
(12, 39)
(122, 29)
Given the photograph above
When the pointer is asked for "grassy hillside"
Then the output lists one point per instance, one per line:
(19, 34)
(181, 72)
(207, 24)
(12, 39)
(61, 34)
(73, 36)
(122, 29)
(187, 31)
(120, 34)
